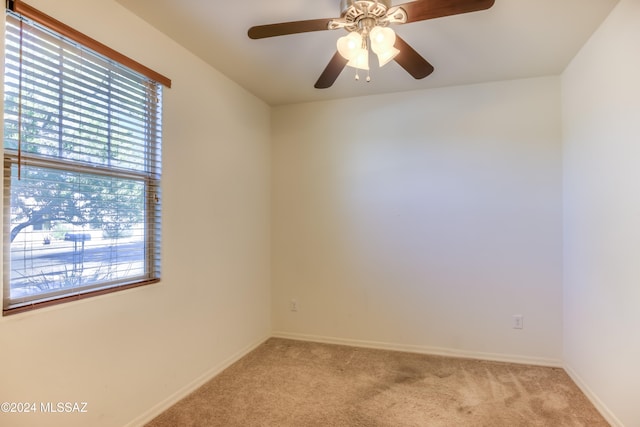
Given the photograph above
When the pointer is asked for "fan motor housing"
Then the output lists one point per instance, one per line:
(354, 9)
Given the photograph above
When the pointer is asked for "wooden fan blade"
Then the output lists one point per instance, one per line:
(331, 73)
(284, 28)
(421, 10)
(411, 60)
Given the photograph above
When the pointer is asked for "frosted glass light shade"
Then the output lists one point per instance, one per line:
(382, 39)
(360, 60)
(349, 45)
(382, 44)
(385, 57)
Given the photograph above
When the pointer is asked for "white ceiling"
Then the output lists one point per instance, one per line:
(513, 39)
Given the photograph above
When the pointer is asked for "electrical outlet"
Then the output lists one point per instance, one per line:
(518, 321)
(293, 305)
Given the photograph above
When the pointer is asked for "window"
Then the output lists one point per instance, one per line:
(81, 170)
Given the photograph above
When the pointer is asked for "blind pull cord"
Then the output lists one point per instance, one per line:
(20, 108)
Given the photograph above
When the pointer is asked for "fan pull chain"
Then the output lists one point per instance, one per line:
(368, 76)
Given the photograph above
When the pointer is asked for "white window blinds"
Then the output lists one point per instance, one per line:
(82, 164)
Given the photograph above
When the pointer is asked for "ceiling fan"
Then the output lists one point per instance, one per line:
(367, 23)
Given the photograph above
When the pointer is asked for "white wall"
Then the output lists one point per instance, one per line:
(601, 98)
(422, 220)
(127, 352)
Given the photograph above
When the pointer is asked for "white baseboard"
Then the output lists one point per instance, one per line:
(597, 402)
(437, 351)
(165, 404)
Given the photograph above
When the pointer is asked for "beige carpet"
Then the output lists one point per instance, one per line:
(292, 383)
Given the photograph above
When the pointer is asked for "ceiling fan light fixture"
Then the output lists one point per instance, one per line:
(360, 60)
(382, 39)
(349, 45)
(387, 56)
